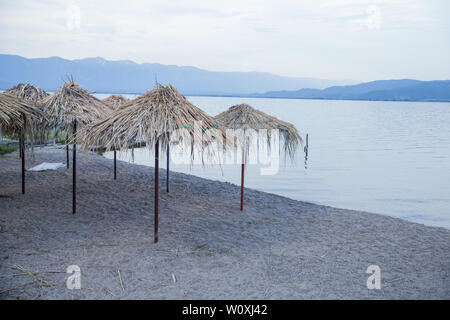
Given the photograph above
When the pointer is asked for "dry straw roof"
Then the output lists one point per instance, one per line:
(12, 110)
(28, 92)
(31, 93)
(243, 116)
(70, 103)
(148, 118)
(116, 101)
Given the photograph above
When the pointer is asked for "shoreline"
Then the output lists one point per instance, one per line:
(272, 97)
(278, 248)
(386, 212)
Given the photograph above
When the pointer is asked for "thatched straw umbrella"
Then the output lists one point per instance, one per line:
(150, 118)
(30, 93)
(17, 118)
(116, 101)
(27, 92)
(66, 108)
(13, 110)
(244, 117)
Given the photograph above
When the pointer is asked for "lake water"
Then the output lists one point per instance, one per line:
(391, 158)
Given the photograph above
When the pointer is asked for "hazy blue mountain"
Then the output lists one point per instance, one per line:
(397, 90)
(425, 91)
(100, 75)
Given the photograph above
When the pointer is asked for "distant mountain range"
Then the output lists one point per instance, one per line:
(100, 75)
(125, 76)
(391, 90)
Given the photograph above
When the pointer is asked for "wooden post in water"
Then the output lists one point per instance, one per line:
(306, 145)
(115, 164)
(74, 173)
(156, 190)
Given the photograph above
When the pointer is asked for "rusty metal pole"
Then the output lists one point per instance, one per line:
(168, 161)
(74, 164)
(22, 153)
(156, 189)
(242, 178)
(67, 151)
(115, 164)
(242, 174)
(23, 166)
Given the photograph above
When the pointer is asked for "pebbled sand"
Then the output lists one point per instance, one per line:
(277, 248)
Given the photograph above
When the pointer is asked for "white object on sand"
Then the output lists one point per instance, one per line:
(47, 166)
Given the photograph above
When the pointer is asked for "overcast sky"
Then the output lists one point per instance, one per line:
(331, 39)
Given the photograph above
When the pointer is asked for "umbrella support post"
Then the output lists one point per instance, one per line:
(168, 162)
(22, 151)
(115, 164)
(67, 152)
(156, 190)
(74, 174)
(242, 179)
(22, 154)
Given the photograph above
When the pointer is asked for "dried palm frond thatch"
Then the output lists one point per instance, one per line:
(243, 116)
(116, 101)
(67, 108)
(72, 103)
(27, 92)
(150, 117)
(14, 111)
(17, 119)
(32, 93)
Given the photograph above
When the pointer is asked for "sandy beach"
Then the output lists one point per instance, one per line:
(277, 248)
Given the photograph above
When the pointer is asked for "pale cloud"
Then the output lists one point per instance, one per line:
(373, 19)
(73, 17)
(333, 39)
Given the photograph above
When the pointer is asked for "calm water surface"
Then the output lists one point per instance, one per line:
(391, 158)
